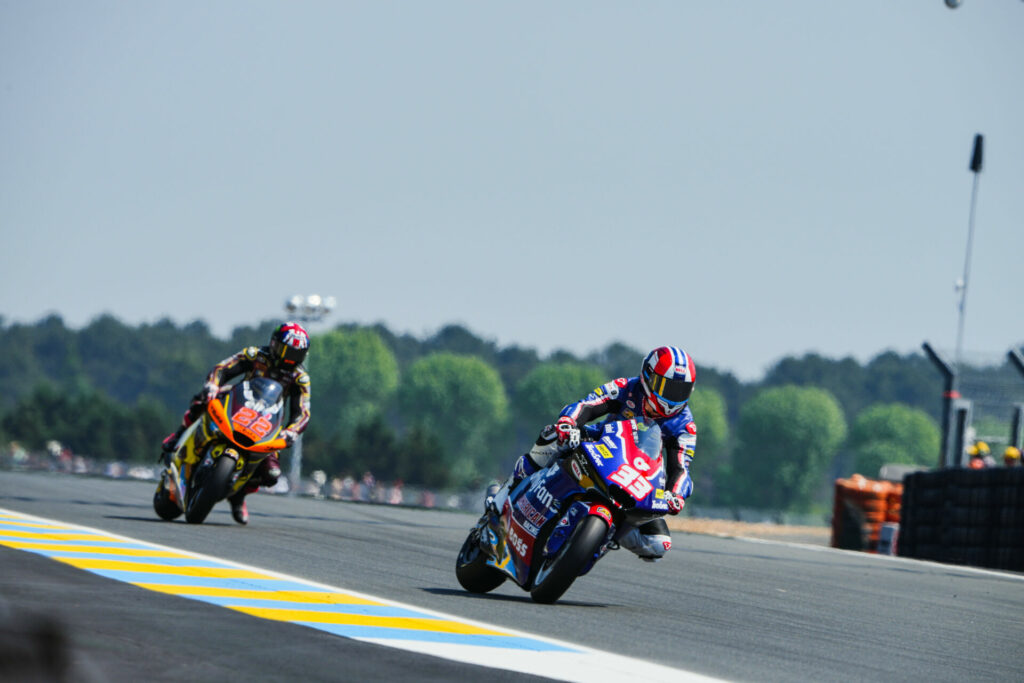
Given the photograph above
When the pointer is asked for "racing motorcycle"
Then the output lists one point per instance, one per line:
(557, 523)
(219, 452)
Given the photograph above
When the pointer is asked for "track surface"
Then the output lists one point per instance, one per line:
(730, 608)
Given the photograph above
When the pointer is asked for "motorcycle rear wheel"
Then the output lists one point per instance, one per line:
(212, 488)
(557, 573)
(471, 568)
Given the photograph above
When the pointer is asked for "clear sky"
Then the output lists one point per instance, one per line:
(745, 179)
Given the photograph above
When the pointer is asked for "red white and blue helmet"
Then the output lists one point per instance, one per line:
(667, 376)
(289, 345)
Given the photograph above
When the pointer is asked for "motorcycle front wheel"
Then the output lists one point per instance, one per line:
(471, 568)
(556, 573)
(212, 486)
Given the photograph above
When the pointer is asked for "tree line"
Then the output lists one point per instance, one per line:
(456, 410)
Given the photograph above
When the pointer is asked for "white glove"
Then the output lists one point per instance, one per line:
(567, 432)
(289, 435)
(211, 389)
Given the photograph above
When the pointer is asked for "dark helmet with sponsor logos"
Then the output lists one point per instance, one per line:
(289, 345)
(667, 376)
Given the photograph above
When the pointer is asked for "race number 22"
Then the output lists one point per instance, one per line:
(255, 423)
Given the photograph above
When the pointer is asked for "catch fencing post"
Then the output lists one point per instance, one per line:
(949, 394)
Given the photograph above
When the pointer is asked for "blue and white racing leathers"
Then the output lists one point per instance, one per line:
(622, 399)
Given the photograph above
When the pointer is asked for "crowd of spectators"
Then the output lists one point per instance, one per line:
(365, 488)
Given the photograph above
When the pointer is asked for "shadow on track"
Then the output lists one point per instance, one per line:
(499, 597)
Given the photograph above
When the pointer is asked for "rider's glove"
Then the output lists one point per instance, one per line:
(675, 503)
(567, 432)
(211, 389)
(289, 436)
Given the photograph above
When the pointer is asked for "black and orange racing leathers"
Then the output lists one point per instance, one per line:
(255, 361)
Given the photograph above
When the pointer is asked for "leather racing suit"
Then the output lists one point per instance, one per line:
(621, 399)
(255, 361)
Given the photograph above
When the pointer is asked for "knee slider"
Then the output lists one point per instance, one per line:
(646, 546)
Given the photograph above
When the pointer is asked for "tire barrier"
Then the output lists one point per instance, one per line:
(860, 509)
(964, 516)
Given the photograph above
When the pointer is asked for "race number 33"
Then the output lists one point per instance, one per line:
(631, 480)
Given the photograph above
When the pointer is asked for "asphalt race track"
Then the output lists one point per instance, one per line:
(729, 608)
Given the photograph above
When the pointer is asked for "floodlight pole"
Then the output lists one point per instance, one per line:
(307, 309)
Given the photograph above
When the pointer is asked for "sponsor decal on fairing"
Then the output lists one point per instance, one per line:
(532, 514)
(515, 540)
(602, 512)
(576, 471)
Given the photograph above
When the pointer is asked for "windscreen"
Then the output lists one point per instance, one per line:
(648, 438)
(260, 393)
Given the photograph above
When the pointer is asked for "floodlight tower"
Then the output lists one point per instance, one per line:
(305, 309)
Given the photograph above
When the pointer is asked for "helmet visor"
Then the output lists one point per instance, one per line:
(287, 355)
(669, 390)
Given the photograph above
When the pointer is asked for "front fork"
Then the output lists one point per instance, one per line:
(573, 516)
(192, 474)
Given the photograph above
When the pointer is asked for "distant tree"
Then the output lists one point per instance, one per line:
(462, 399)
(513, 363)
(618, 360)
(353, 375)
(407, 349)
(786, 439)
(733, 392)
(709, 414)
(113, 359)
(710, 460)
(892, 433)
(458, 340)
(549, 387)
(844, 379)
(911, 380)
(421, 458)
(374, 447)
(252, 335)
(33, 354)
(87, 423)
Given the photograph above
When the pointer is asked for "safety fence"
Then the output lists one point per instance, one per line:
(956, 516)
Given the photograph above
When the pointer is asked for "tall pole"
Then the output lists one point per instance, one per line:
(976, 164)
(307, 309)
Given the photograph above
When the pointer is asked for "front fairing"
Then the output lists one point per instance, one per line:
(251, 415)
(246, 421)
(625, 464)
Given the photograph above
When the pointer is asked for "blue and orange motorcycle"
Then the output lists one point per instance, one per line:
(557, 523)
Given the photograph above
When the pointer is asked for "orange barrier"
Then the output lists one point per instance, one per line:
(861, 507)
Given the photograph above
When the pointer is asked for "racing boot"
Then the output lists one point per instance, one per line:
(524, 467)
(238, 509)
(492, 491)
(167, 447)
(268, 473)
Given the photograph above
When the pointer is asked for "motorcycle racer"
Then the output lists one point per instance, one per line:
(281, 360)
(660, 393)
